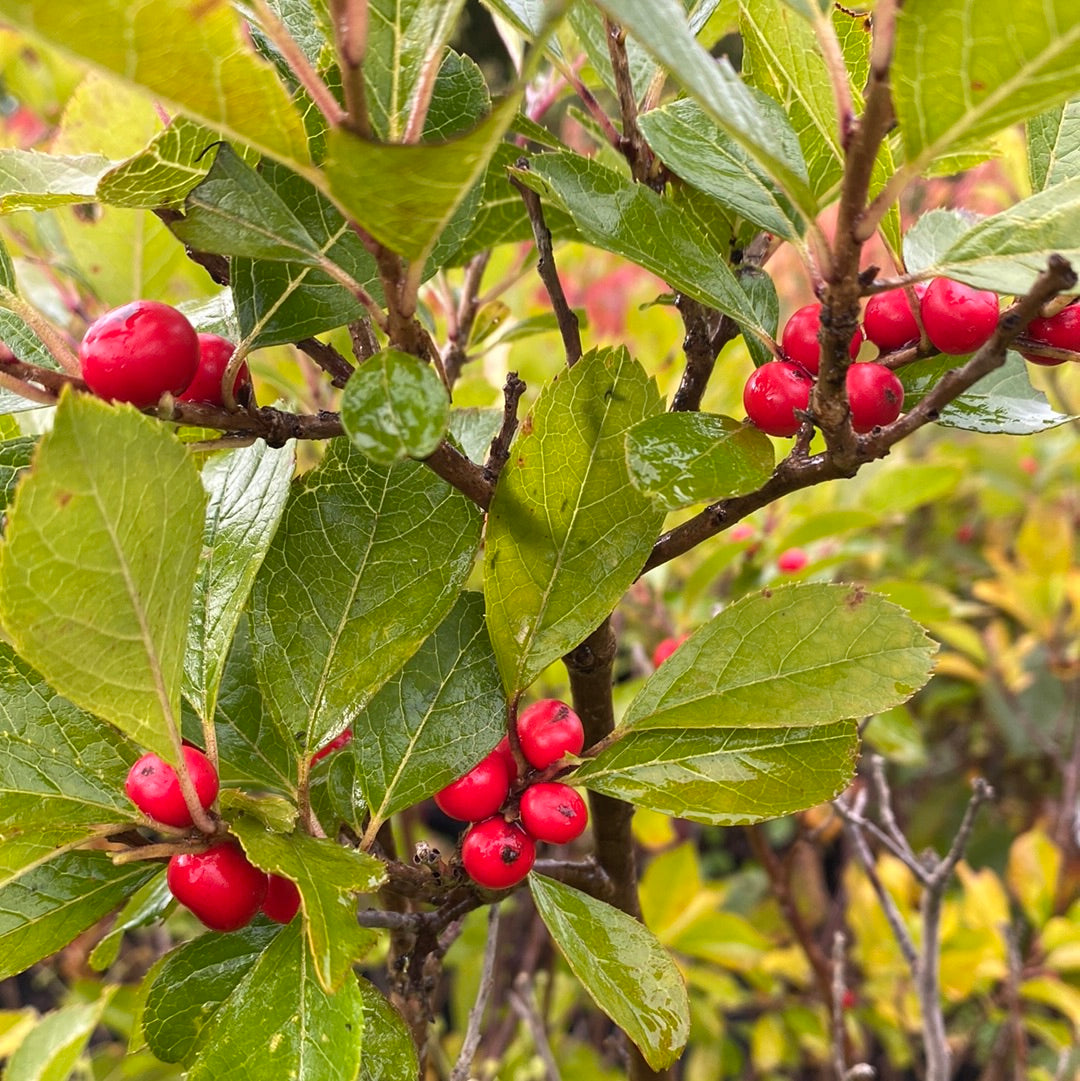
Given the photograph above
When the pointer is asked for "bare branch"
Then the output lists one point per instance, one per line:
(521, 1001)
(471, 1042)
(327, 358)
(644, 165)
(499, 452)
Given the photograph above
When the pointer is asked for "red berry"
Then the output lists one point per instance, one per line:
(1062, 331)
(335, 744)
(741, 531)
(875, 395)
(221, 886)
(792, 560)
(139, 351)
(553, 812)
(503, 750)
(153, 786)
(889, 321)
(957, 318)
(549, 729)
(800, 338)
(773, 393)
(479, 794)
(497, 854)
(282, 899)
(665, 649)
(214, 356)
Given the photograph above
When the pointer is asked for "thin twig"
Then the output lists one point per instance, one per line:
(521, 1001)
(471, 1042)
(327, 358)
(644, 165)
(499, 451)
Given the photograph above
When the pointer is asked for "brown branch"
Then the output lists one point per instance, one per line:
(549, 275)
(350, 21)
(327, 358)
(644, 165)
(471, 1041)
(449, 463)
(463, 318)
(499, 451)
(707, 333)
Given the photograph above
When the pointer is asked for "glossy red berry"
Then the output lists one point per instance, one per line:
(549, 729)
(138, 352)
(875, 396)
(153, 786)
(479, 794)
(282, 899)
(889, 321)
(665, 649)
(958, 319)
(214, 356)
(497, 854)
(792, 560)
(503, 750)
(553, 812)
(221, 886)
(335, 744)
(773, 393)
(1062, 331)
(800, 338)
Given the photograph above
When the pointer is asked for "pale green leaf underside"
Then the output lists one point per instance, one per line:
(567, 532)
(31, 180)
(793, 656)
(1054, 145)
(622, 965)
(98, 565)
(726, 776)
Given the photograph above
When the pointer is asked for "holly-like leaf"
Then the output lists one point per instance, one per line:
(690, 143)
(617, 215)
(936, 231)
(365, 564)
(1003, 402)
(726, 776)
(31, 180)
(619, 961)
(661, 27)
(98, 564)
(1053, 145)
(278, 1022)
(435, 720)
(789, 657)
(59, 766)
(188, 56)
(686, 458)
(52, 1049)
(1008, 251)
(15, 457)
(247, 489)
(147, 904)
(192, 983)
(51, 891)
(567, 531)
(389, 1052)
(395, 407)
(953, 83)
(328, 877)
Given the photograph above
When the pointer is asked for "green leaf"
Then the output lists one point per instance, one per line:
(617, 215)
(405, 196)
(144, 906)
(794, 656)
(1008, 251)
(389, 1052)
(98, 564)
(726, 776)
(15, 457)
(53, 1047)
(395, 407)
(31, 180)
(247, 489)
(188, 56)
(474, 429)
(661, 27)
(690, 143)
(932, 235)
(51, 891)
(761, 291)
(403, 37)
(25, 344)
(308, 23)
(435, 720)
(954, 83)
(619, 961)
(567, 532)
(1053, 145)
(328, 876)
(588, 24)
(686, 458)
(1003, 402)
(193, 982)
(366, 563)
(278, 1022)
(7, 269)
(336, 795)
(59, 766)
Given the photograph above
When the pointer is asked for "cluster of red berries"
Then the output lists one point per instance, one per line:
(498, 853)
(144, 349)
(219, 885)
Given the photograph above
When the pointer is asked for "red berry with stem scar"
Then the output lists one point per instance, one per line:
(221, 886)
(497, 854)
(958, 319)
(549, 729)
(553, 812)
(154, 787)
(772, 395)
(875, 396)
